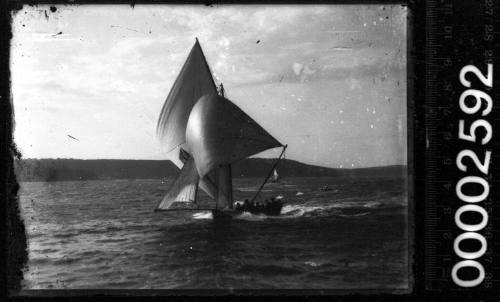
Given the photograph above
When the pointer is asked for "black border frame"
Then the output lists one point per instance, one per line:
(415, 131)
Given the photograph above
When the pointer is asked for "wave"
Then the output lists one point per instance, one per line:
(269, 270)
(341, 209)
(337, 208)
(299, 211)
(40, 260)
(243, 216)
(66, 260)
(203, 215)
(253, 190)
(354, 215)
(45, 251)
(252, 217)
(111, 240)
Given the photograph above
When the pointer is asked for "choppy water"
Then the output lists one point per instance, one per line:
(104, 234)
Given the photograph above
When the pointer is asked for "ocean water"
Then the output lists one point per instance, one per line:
(105, 235)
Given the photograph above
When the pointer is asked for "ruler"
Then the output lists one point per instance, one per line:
(458, 33)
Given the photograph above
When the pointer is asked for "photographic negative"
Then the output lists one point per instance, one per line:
(228, 147)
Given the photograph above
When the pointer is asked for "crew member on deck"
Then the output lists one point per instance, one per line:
(246, 205)
(258, 208)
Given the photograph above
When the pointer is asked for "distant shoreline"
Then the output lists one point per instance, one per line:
(171, 178)
(47, 170)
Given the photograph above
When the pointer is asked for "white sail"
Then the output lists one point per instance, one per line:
(210, 132)
(219, 133)
(193, 81)
(184, 187)
(275, 175)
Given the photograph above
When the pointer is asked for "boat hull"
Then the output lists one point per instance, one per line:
(271, 209)
(225, 215)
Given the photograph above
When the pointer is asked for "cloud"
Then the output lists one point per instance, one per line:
(106, 76)
(54, 88)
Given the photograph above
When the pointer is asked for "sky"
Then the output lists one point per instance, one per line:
(328, 80)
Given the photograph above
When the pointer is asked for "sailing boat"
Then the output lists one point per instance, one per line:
(205, 134)
(276, 177)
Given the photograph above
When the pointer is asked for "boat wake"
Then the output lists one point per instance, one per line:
(203, 215)
(252, 217)
(342, 209)
(243, 216)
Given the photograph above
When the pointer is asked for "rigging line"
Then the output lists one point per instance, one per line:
(269, 174)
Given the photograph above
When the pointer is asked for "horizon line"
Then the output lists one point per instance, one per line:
(267, 158)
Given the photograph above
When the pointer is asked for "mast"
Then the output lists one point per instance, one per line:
(224, 197)
(225, 180)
